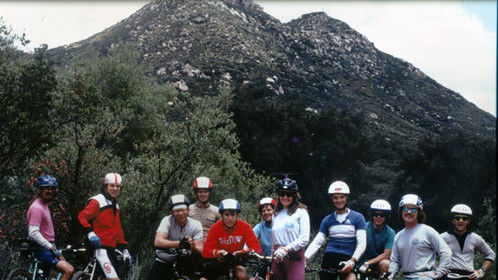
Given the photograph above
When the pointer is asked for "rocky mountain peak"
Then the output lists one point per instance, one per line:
(201, 45)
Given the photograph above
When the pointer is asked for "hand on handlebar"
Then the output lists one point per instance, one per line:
(363, 268)
(94, 240)
(185, 243)
(239, 253)
(280, 253)
(347, 266)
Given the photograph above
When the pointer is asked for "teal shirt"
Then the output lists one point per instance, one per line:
(263, 233)
(377, 241)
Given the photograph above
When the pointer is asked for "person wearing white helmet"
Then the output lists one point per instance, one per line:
(345, 230)
(416, 246)
(380, 238)
(464, 245)
(100, 219)
(227, 239)
(176, 231)
(262, 230)
(202, 210)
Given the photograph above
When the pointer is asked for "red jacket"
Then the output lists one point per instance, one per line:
(98, 216)
(231, 240)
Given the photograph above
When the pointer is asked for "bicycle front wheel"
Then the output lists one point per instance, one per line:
(19, 274)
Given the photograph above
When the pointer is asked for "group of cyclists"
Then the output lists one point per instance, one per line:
(215, 235)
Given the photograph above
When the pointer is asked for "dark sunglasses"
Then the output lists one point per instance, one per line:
(382, 215)
(288, 194)
(407, 209)
(463, 218)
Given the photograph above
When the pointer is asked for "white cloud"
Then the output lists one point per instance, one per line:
(440, 38)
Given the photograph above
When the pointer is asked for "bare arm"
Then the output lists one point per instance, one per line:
(162, 241)
(385, 255)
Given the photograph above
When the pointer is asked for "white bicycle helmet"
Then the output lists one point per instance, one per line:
(338, 187)
(267, 200)
(461, 209)
(411, 199)
(380, 205)
(113, 178)
(202, 182)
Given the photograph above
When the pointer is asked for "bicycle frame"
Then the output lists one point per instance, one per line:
(91, 267)
(34, 270)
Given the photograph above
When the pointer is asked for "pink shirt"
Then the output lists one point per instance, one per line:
(39, 215)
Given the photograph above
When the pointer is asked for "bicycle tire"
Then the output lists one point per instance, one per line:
(19, 274)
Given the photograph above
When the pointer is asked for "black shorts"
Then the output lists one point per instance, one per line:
(332, 260)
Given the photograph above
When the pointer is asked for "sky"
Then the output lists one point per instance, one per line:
(452, 42)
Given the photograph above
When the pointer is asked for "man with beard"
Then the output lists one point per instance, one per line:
(346, 234)
(41, 228)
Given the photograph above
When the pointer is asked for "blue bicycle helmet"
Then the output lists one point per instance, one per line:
(229, 204)
(46, 181)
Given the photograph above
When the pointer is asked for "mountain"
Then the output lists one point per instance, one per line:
(318, 60)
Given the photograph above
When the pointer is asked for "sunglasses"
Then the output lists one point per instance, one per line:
(463, 218)
(407, 209)
(382, 215)
(288, 194)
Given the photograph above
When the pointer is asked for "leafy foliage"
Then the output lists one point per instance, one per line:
(459, 167)
(26, 87)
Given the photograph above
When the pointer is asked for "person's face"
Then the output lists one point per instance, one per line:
(180, 215)
(267, 212)
(113, 189)
(202, 195)
(48, 194)
(409, 214)
(461, 222)
(229, 218)
(286, 198)
(339, 200)
(379, 218)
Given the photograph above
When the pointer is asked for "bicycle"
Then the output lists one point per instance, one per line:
(370, 274)
(91, 272)
(35, 270)
(261, 265)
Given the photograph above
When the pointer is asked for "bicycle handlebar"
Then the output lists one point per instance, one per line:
(261, 257)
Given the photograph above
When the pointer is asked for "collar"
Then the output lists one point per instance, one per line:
(230, 229)
(347, 213)
(207, 206)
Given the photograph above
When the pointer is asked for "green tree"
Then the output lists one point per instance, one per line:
(450, 170)
(193, 136)
(27, 83)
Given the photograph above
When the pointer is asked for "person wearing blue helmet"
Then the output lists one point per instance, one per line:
(226, 239)
(41, 228)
